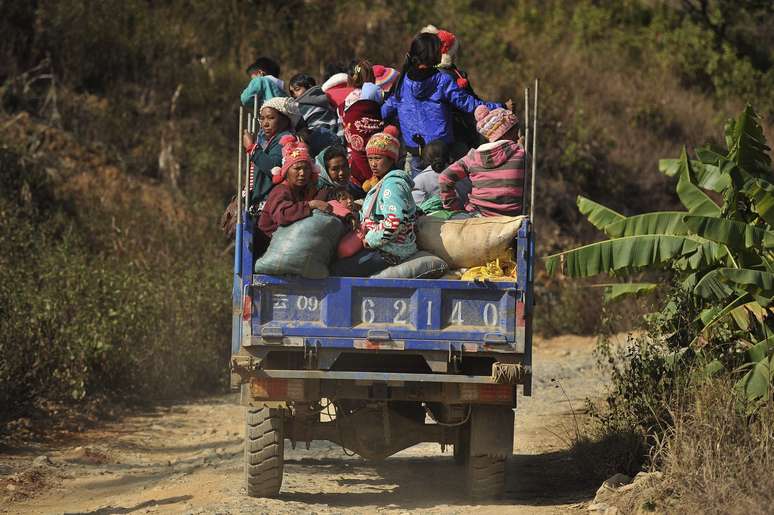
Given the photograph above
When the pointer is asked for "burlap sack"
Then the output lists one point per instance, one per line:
(469, 242)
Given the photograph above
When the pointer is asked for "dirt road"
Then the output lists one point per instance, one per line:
(187, 458)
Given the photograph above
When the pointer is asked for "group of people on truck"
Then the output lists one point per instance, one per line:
(378, 147)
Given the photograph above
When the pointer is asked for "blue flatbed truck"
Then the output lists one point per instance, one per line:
(399, 361)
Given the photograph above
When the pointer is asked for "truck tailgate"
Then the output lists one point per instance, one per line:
(429, 313)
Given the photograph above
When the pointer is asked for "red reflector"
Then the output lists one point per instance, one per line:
(495, 392)
(247, 307)
(264, 388)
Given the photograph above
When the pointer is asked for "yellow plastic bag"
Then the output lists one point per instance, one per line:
(497, 270)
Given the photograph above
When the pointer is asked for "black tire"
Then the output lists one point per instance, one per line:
(486, 477)
(264, 451)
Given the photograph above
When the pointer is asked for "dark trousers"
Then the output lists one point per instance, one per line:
(365, 263)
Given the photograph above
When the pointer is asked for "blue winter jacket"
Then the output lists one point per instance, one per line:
(425, 107)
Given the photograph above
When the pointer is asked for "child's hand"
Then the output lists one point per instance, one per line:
(320, 205)
(248, 140)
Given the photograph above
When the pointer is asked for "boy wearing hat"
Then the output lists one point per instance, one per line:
(388, 215)
(496, 169)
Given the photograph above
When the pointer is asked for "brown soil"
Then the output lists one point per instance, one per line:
(187, 458)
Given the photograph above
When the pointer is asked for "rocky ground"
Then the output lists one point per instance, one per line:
(187, 458)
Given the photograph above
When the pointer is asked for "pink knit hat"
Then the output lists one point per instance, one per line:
(293, 151)
(385, 76)
(384, 143)
(494, 124)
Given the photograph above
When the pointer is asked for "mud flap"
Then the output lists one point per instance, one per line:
(491, 431)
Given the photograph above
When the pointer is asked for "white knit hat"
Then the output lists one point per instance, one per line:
(286, 106)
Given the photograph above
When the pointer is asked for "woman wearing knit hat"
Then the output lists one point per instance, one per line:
(295, 194)
(424, 98)
(496, 169)
(388, 215)
(278, 117)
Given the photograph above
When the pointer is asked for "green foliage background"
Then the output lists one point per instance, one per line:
(107, 297)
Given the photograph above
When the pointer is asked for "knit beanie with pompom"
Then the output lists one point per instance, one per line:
(293, 151)
(495, 123)
(384, 143)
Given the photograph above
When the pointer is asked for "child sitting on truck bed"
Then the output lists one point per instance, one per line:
(435, 159)
(362, 118)
(388, 215)
(496, 169)
(295, 194)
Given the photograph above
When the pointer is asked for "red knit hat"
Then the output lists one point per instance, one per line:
(384, 143)
(449, 44)
(293, 151)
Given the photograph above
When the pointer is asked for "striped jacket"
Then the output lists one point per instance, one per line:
(317, 110)
(496, 171)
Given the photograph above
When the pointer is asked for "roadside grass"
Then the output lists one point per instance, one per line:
(715, 453)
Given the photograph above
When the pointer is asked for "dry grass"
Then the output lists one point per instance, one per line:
(718, 460)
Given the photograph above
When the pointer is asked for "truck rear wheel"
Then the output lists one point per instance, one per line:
(264, 451)
(486, 477)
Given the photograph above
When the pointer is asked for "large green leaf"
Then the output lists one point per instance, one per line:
(599, 215)
(747, 144)
(660, 222)
(761, 350)
(707, 254)
(707, 171)
(618, 254)
(615, 291)
(756, 383)
(692, 197)
(723, 282)
(756, 282)
(761, 193)
(735, 234)
(714, 285)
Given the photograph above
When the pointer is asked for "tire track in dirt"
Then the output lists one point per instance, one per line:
(187, 458)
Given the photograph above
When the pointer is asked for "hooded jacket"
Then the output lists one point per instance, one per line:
(264, 88)
(423, 105)
(324, 181)
(391, 219)
(496, 171)
(317, 110)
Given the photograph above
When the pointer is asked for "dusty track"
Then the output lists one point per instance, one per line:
(187, 458)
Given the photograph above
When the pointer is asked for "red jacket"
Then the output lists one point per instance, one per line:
(362, 120)
(286, 205)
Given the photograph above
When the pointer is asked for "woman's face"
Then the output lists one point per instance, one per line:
(380, 165)
(338, 170)
(299, 174)
(272, 121)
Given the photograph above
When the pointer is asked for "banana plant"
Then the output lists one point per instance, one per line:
(723, 252)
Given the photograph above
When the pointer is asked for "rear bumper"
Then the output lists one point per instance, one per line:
(277, 387)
